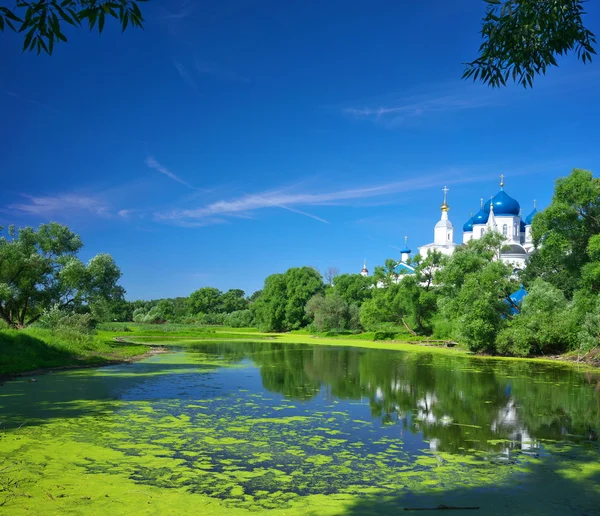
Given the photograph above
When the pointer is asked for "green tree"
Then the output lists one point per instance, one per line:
(522, 38)
(206, 300)
(474, 289)
(269, 308)
(353, 288)
(42, 21)
(388, 305)
(589, 335)
(281, 306)
(255, 295)
(386, 275)
(39, 269)
(233, 300)
(564, 235)
(541, 326)
(239, 319)
(329, 313)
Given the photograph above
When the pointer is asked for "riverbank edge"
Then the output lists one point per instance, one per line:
(567, 359)
(105, 362)
(160, 344)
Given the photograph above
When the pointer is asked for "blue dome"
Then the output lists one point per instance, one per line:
(529, 217)
(481, 217)
(468, 225)
(406, 250)
(504, 204)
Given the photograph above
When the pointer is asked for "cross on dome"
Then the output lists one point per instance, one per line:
(501, 180)
(445, 206)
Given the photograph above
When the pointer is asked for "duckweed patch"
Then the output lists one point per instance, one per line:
(191, 429)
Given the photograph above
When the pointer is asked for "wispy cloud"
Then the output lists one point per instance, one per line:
(183, 10)
(399, 109)
(127, 213)
(185, 75)
(63, 204)
(217, 71)
(282, 199)
(31, 101)
(153, 164)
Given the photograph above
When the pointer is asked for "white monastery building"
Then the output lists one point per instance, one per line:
(501, 213)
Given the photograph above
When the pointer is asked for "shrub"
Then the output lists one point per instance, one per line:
(239, 319)
(211, 319)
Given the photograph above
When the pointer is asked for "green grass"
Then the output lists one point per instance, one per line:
(36, 348)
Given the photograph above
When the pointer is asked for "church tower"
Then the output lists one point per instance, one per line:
(444, 230)
(443, 234)
(405, 253)
(365, 271)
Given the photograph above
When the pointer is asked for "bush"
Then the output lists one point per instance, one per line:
(589, 335)
(330, 313)
(211, 319)
(542, 326)
(114, 327)
(239, 319)
(71, 327)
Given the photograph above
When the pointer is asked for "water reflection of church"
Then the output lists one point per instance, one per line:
(425, 417)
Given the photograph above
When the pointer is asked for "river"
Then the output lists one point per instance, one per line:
(297, 429)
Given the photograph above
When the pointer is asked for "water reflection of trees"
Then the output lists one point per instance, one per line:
(457, 403)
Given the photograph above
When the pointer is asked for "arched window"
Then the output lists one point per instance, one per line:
(505, 230)
(516, 231)
(482, 231)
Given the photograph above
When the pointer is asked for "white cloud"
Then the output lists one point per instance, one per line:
(62, 204)
(398, 109)
(152, 163)
(185, 75)
(249, 203)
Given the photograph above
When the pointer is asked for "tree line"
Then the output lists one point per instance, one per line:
(466, 298)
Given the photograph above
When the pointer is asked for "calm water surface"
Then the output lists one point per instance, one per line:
(261, 426)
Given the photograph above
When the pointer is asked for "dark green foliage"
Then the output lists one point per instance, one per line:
(42, 21)
(331, 312)
(233, 300)
(541, 327)
(522, 38)
(39, 269)
(210, 319)
(205, 300)
(589, 334)
(239, 319)
(473, 293)
(352, 288)
(281, 306)
(566, 232)
(210, 300)
(255, 296)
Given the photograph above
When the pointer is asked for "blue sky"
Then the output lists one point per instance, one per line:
(231, 140)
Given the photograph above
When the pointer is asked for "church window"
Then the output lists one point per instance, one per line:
(505, 230)
(516, 232)
(482, 231)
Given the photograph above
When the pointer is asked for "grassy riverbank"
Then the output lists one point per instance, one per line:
(36, 349)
